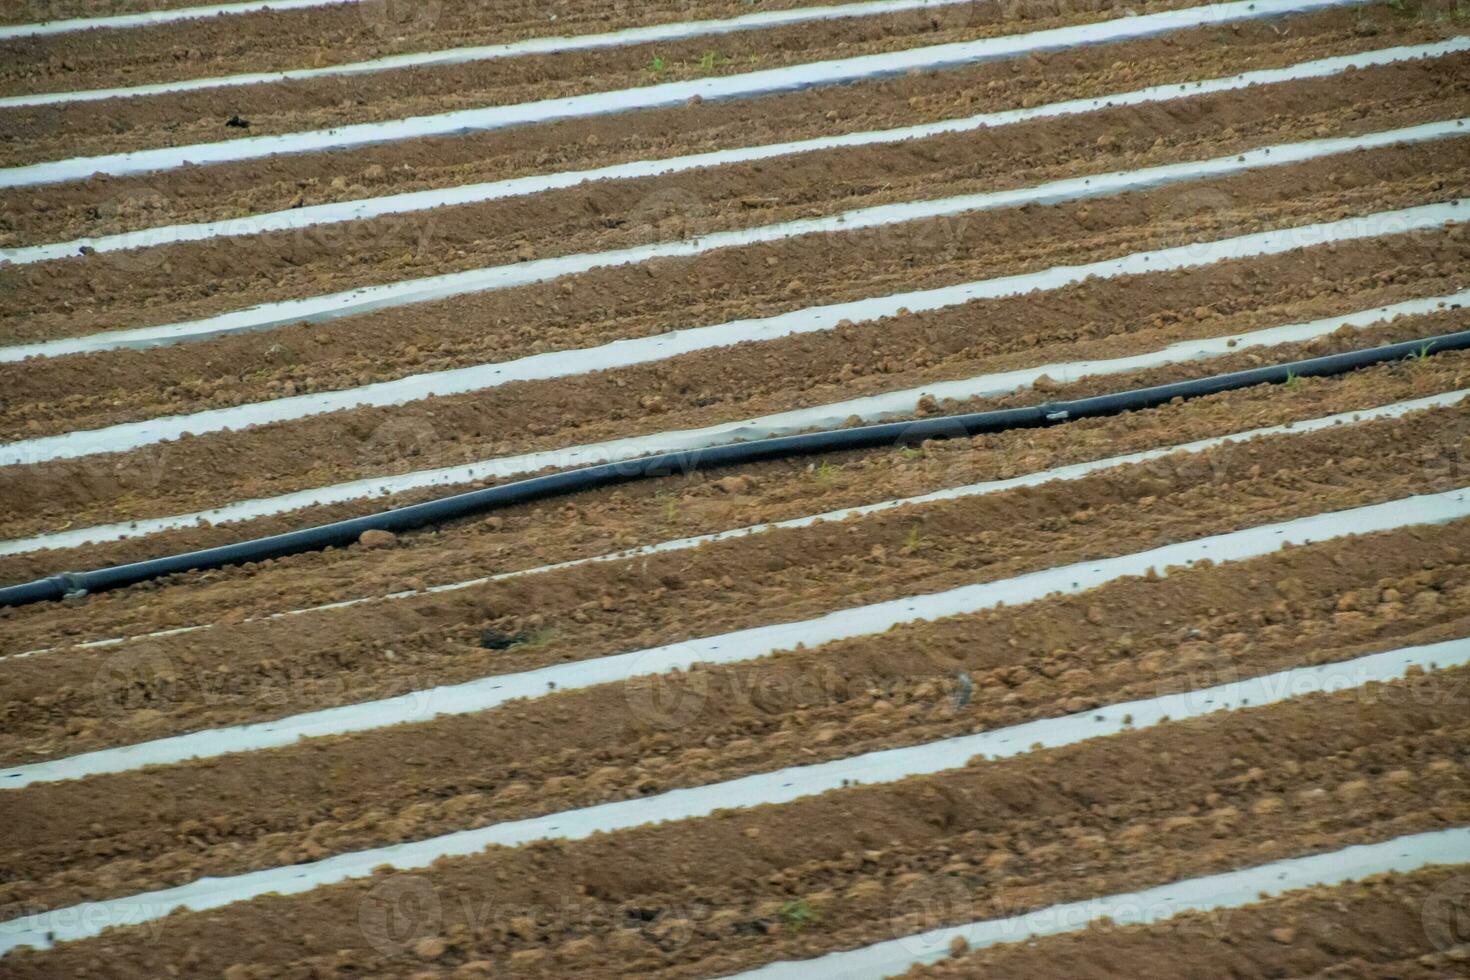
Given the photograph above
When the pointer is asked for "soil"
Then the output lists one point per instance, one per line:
(867, 863)
(341, 656)
(103, 205)
(182, 281)
(708, 896)
(44, 396)
(49, 132)
(346, 33)
(605, 521)
(515, 18)
(1373, 928)
(92, 489)
(1192, 629)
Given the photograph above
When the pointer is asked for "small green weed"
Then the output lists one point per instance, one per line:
(797, 914)
(536, 638)
(711, 60)
(658, 65)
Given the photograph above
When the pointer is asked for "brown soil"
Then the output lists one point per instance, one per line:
(1375, 928)
(605, 521)
(34, 11)
(56, 394)
(712, 896)
(174, 282)
(1192, 629)
(217, 469)
(512, 18)
(317, 37)
(40, 133)
(96, 488)
(269, 669)
(706, 897)
(770, 277)
(64, 211)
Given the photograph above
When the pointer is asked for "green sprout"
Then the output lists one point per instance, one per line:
(535, 639)
(658, 65)
(797, 914)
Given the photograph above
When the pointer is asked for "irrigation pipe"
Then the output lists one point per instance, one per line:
(432, 512)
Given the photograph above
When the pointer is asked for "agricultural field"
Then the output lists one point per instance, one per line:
(734, 488)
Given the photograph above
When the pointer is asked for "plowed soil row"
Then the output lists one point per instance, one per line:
(703, 897)
(605, 521)
(110, 835)
(177, 281)
(222, 467)
(24, 12)
(1133, 313)
(107, 205)
(334, 34)
(1392, 926)
(40, 133)
(870, 861)
(193, 473)
(762, 279)
(344, 656)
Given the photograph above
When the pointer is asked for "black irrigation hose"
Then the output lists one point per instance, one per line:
(570, 481)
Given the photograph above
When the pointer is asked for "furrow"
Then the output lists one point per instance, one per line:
(782, 786)
(485, 693)
(745, 85)
(1072, 472)
(376, 207)
(457, 56)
